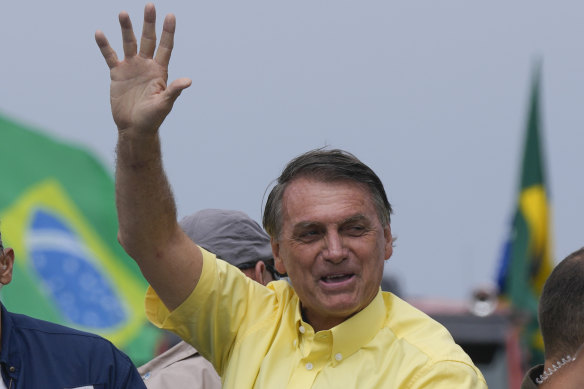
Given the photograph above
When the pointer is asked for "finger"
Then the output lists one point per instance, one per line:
(148, 40)
(176, 87)
(128, 38)
(106, 50)
(166, 41)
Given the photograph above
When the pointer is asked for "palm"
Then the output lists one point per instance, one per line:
(140, 97)
(136, 93)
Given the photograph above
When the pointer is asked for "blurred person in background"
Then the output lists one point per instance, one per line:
(561, 320)
(238, 240)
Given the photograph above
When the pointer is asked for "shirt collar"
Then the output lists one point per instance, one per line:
(353, 333)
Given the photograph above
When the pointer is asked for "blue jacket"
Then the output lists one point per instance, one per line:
(38, 354)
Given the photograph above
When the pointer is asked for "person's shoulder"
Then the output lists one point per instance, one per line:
(82, 356)
(27, 323)
(181, 366)
(419, 330)
(179, 352)
(406, 318)
(429, 343)
(58, 334)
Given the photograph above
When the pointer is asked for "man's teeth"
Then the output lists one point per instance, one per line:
(336, 277)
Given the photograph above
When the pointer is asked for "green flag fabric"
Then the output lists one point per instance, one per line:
(527, 261)
(57, 212)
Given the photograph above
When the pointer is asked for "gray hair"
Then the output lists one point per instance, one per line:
(326, 166)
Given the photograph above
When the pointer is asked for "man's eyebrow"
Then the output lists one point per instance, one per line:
(354, 219)
(311, 224)
(305, 225)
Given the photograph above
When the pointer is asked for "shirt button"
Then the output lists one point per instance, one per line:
(12, 369)
(301, 329)
(309, 366)
(338, 356)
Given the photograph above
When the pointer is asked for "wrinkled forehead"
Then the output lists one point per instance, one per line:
(305, 195)
(309, 181)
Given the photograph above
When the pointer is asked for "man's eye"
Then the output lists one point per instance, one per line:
(308, 235)
(355, 230)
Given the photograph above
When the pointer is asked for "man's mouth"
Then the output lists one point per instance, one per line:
(336, 278)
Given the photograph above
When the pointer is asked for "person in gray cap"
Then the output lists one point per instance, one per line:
(237, 239)
(234, 237)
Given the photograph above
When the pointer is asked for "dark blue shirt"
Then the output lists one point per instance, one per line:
(38, 354)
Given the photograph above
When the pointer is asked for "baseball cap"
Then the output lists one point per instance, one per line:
(230, 235)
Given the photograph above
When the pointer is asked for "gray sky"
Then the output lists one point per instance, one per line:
(432, 95)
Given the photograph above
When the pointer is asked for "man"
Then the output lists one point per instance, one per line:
(561, 319)
(328, 220)
(239, 240)
(39, 354)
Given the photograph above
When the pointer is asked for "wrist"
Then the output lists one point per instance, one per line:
(138, 148)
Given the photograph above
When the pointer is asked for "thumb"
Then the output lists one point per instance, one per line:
(176, 87)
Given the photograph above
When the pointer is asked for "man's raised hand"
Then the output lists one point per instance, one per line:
(140, 98)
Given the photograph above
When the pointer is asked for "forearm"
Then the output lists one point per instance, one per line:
(148, 229)
(144, 200)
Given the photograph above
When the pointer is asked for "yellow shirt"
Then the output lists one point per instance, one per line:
(256, 338)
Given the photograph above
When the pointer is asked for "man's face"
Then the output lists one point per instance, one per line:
(332, 245)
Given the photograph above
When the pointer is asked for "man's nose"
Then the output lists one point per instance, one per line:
(334, 250)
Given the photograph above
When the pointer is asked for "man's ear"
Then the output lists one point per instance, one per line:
(6, 264)
(388, 242)
(278, 263)
(259, 269)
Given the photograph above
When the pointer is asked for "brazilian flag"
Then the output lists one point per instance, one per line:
(57, 212)
(527, 261)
